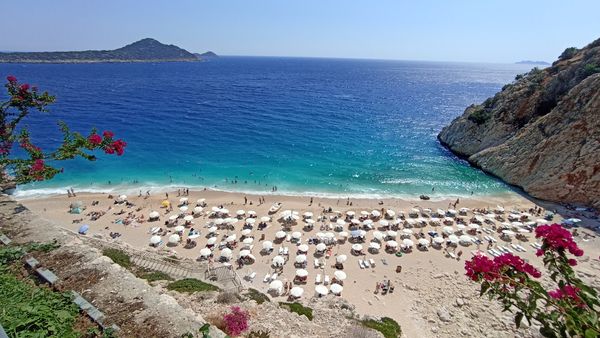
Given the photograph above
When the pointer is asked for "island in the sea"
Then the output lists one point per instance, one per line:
(207, 55)
(531, 62)
(145, 50)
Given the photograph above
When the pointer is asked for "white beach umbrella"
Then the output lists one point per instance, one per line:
(355, 221)
(244, 253)
(508, 232)
(350, 213)
(154, 214)
(329, 235)
(226, 253)
(240, 212)
(451, 212)
(340, 275)
(307, 214)
(231, 238)
(215, 209)
(407, 232)
(517, 224)
(250, 221)
(246, 232)
(368, 222)
(173, 217)
(278, 260)
(265, 219)
(378, 235)
(374, 245)
(357, 247)
(300, 259)
(448, 230)
(460, 226)
(391, 244)
(280, 234)
(438, 240)
(297, 292)
(188, 218)
(248, 240)
(205, 252)
(364, 213)
(224, 211)
(211, 241)
(523, 231)
(343, 234)
(276, 285)
(423, 242)
(303, 248)
(183, 208)
(155, 240)
(201, 200)
(465, 239)
(390, 213)
(122, 198)
(336, 289)
(251, 213)
(267, 245)
(541, 221)
(341, 258)
(464, 210)
(392, 233)
(197, 210)
(384, 223)
(407, 243)
(179, 228)
(375, 213)
(212, 230)
(321, 247)
(174, 238)
(183, 200)
(296, 235)
(301, 273)
(340, 222)
(310, 221)
(453, 239)
(219, 221)
(473, 226)
(321, 290)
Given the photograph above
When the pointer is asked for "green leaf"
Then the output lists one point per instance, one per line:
(590, 333)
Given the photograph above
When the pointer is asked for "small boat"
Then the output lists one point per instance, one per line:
(274, 208)
(424, 197)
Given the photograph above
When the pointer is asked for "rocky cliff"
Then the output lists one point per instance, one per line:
(541, 132)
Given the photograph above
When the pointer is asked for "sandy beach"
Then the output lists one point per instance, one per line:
(419, 267)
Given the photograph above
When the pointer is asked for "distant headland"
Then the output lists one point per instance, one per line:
(530, 62)
(207, 55)
(145, 50)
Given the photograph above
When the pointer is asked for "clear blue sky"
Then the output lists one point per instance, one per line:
(477, 30)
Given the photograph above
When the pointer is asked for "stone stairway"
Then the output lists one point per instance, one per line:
(165, 266)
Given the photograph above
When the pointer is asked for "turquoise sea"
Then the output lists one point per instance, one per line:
(334, 127)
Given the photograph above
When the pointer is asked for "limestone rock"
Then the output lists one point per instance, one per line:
(541, 133)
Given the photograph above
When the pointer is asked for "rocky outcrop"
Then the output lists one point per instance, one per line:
(541, 132)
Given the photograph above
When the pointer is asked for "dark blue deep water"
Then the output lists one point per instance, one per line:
(322, 126)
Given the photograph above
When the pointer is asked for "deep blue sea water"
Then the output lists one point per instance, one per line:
(321, 126)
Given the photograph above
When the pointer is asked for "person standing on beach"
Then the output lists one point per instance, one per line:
(245, 200)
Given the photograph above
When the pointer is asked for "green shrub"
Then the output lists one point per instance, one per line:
(190, 285)
(387, 326)
(298, 308)
(257, 296)
(31, 311)
(479, 115)
(590, 68)
(152, 276)
(568, 53)
(259, 334)
(118, 256)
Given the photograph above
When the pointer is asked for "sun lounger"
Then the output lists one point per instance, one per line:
(318, 279)
(514, 246)
(252, 276)
(288, 238)
(267, 278)
(326, 280)
(372, 261)
(384, 261)
(280, 250)
(367, 263)
(286, 250)
(521, 248)
(317, 264)
(361, 263)
(451, 254)
(274, 277)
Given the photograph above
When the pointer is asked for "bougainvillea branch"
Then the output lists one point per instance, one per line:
(37, 164)
(570, 309)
